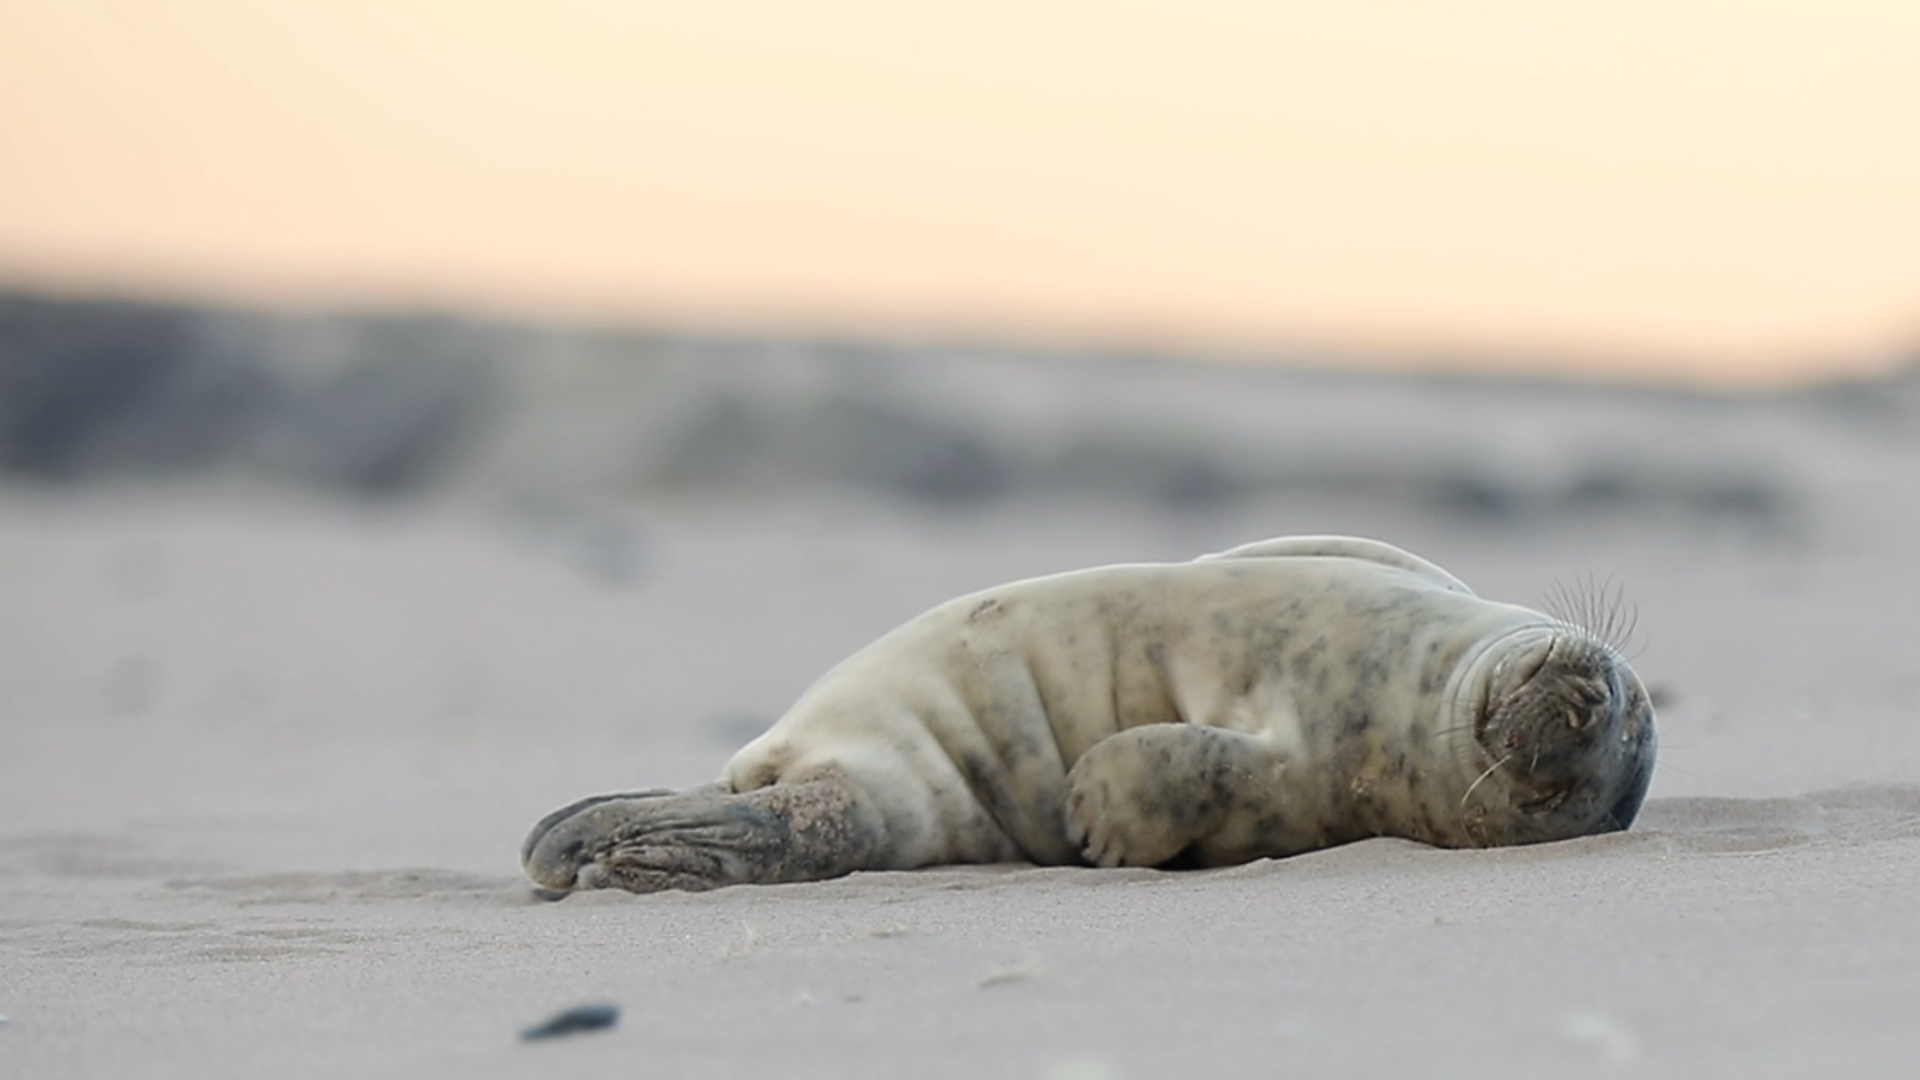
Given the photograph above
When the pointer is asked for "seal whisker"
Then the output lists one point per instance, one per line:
(1599, 609)
(1630, 627)
(1491, 769)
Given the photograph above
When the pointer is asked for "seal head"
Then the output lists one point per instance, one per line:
(1566, 733)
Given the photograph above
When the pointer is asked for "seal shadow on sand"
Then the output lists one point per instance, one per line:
(1844, 816)
(1851, 816)
(1840, 817)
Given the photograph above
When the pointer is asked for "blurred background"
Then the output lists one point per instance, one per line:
(350, 241)
(417, 415)
(491, 356)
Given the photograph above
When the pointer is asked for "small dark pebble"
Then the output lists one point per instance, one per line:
(571, 1021)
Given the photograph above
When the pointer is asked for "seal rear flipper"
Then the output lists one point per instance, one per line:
(1344, 547)
(545, 824)
(709, 837)
(1145, 796)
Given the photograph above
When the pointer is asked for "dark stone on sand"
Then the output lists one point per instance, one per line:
(597, 1016)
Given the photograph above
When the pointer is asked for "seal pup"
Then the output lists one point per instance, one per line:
(1280, 697)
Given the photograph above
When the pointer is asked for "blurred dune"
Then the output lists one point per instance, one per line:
(381, 405)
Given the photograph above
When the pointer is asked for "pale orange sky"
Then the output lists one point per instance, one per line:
(1689, 189)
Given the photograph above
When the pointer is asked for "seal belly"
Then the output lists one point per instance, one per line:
(1044, 674)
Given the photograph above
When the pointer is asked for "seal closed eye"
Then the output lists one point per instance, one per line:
(1277, 698)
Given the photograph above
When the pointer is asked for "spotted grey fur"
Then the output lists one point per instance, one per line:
(1277, 698)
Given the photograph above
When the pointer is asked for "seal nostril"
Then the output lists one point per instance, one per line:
(1548, 801)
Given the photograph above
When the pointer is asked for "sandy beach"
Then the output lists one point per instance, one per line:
(267, 752)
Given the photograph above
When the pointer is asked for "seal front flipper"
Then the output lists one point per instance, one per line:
(708, 837)
(1145, 795)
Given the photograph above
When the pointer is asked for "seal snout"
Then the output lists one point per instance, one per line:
(1549, 709)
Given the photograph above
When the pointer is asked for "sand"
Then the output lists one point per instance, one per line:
(266, 760)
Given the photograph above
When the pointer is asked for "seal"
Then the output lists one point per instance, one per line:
(1277, 698)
